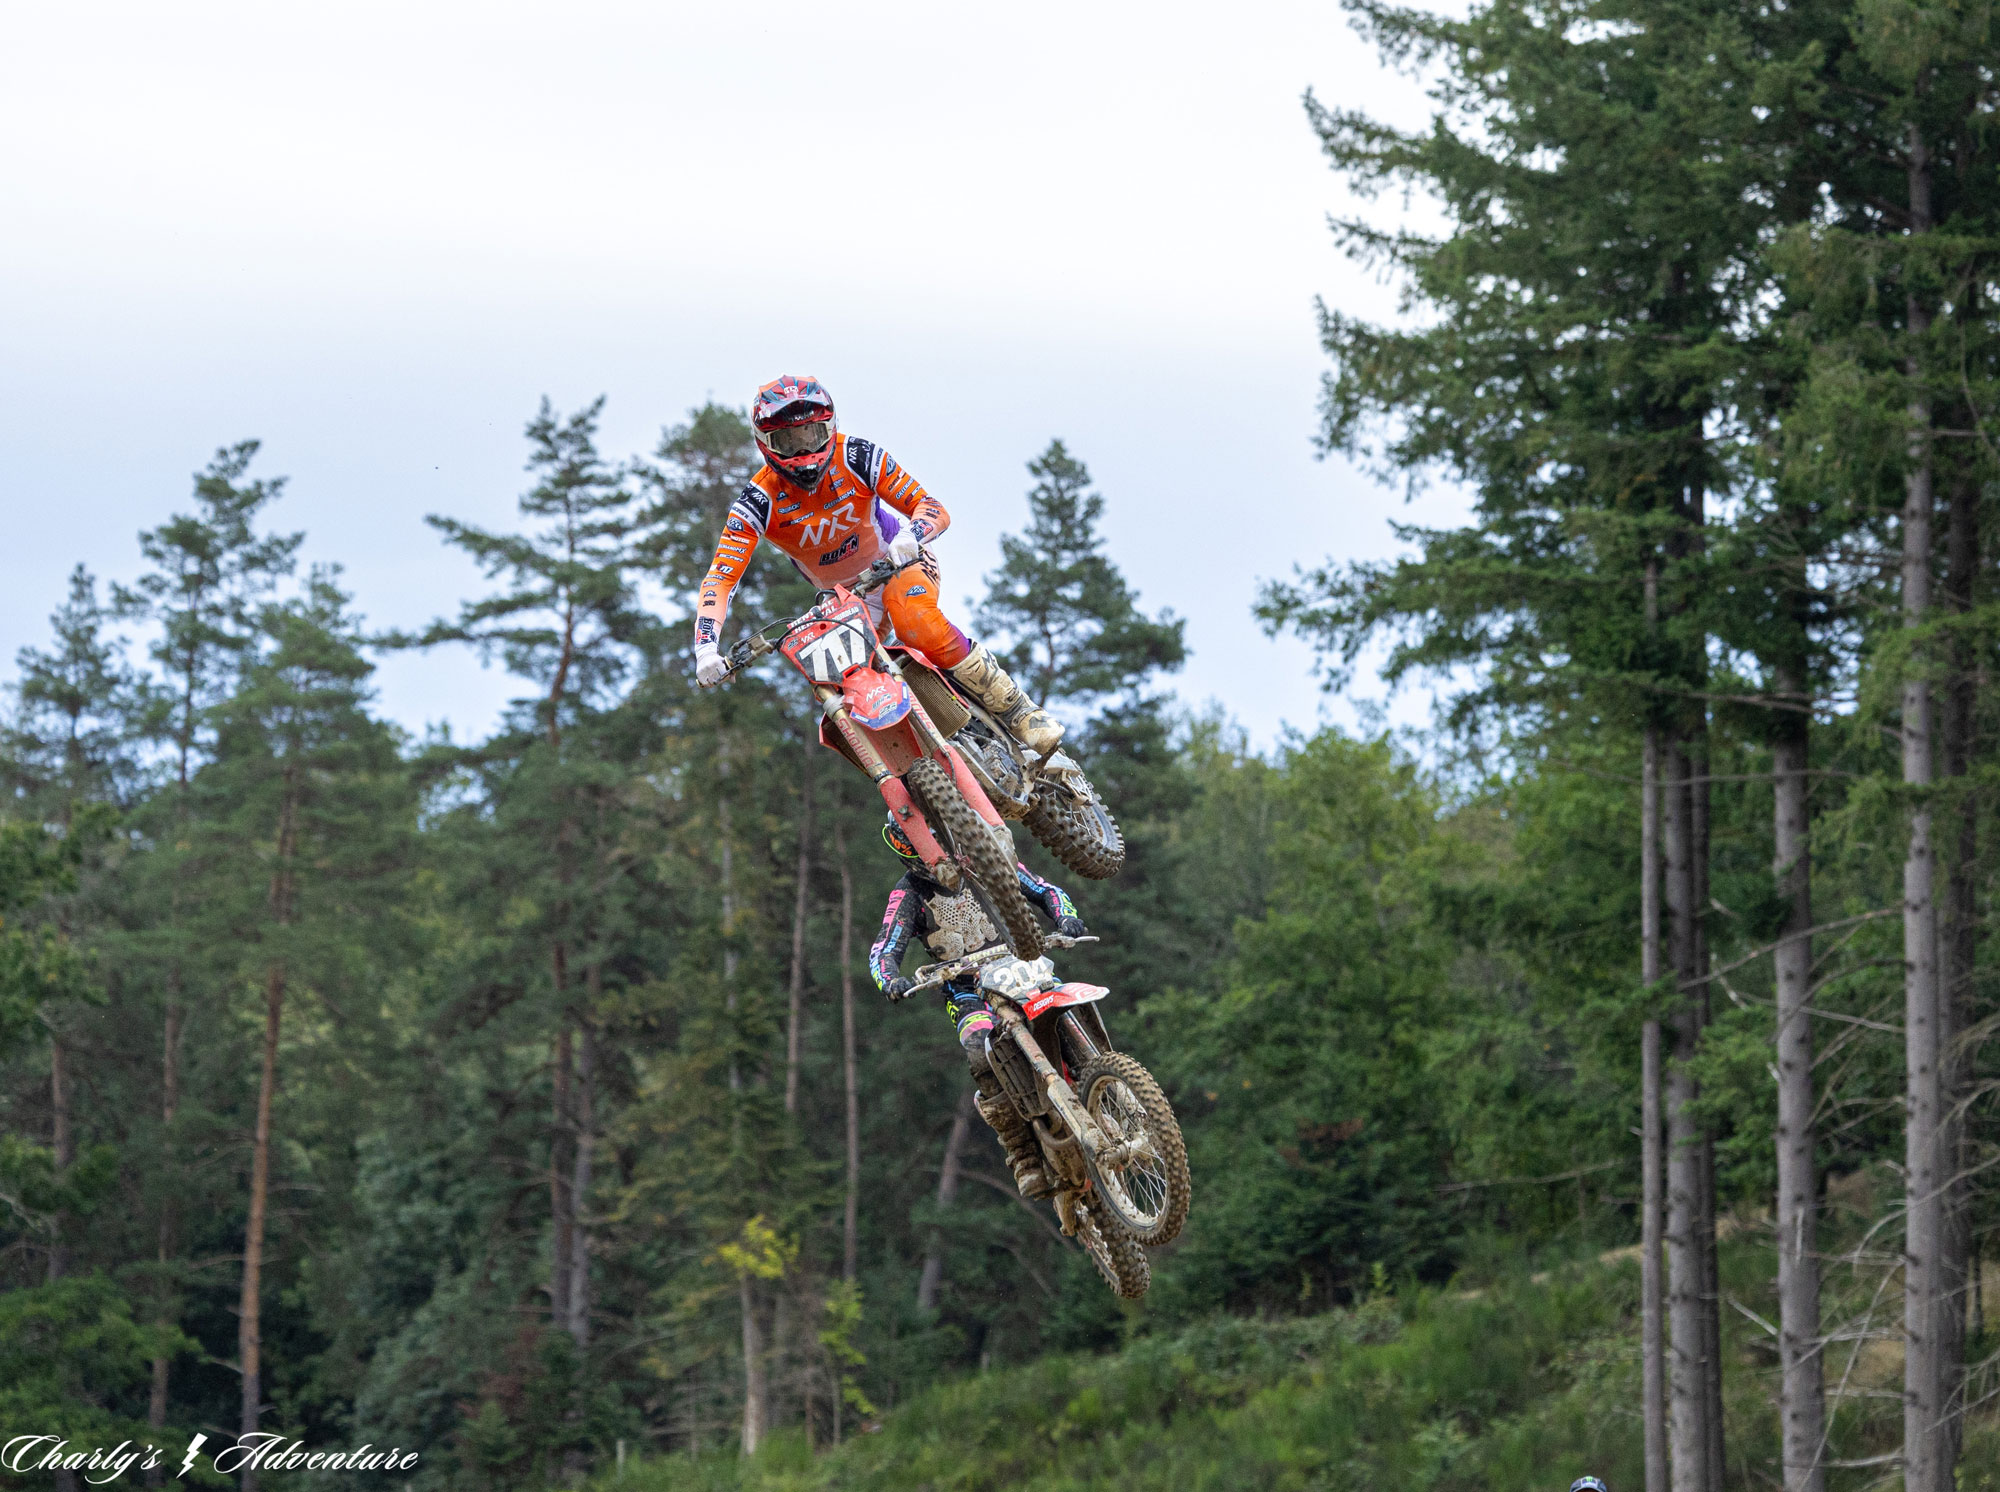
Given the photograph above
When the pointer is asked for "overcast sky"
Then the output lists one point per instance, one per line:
(373, 236)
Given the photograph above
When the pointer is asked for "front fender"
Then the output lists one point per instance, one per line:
(875, 700)
(1063, 995)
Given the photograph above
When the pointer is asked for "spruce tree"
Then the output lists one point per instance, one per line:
(1592, 362)
(1068, 626)
(210, 570)
(302, 819)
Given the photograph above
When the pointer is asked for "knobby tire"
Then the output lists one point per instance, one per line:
(976, 845)
(1148, 1198)
(1086, 839)
(1121, 1262)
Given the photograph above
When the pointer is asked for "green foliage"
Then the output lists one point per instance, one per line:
(1073, 627)
(71, 1358)
(1500, 1391)
(37, 964)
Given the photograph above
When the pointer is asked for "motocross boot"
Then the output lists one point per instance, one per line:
(1024, 1156)
(981, 676)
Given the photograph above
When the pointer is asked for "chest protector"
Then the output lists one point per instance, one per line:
(961, 926)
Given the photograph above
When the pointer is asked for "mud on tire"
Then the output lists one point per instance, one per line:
(1148, 1197)
(1119, 1260)
(979, 850)
(1086, 839)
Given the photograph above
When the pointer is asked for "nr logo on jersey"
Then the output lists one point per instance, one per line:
(829, 525)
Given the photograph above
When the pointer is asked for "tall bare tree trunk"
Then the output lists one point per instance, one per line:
(249, 1333)
(756, 1391)
(1687, 1341)
(1958, 955)
(585, 1108)
(64, 1143)
(170, 1066)
(170, 1102)
(795, 1018)
(64, 1146)
(562, 1154)
(1927, 1464)
(1652, 1327)
(1800, 1354)
(947, 1192)
(1698, 970)
(850, 1222)
(724, 829)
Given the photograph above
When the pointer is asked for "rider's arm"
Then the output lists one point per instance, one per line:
(1051, 898)
(899, 924)
(898, 489)
(740, 533)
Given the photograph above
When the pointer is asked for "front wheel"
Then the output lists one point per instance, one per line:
(1084, 836)
(1146, 1194)
(983, 852)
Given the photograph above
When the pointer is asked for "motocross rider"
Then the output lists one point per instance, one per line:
(834, 504)
(951, 927)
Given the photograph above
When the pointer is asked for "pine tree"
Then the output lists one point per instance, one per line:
(1594, 364)
(303, 814)
(1073, 628)
(210, 572)
(554, 788)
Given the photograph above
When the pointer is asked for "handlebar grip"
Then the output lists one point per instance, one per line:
(878, 575)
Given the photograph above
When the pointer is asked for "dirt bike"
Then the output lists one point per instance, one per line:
(872, 717)
(876, 714)
(1109, 1139)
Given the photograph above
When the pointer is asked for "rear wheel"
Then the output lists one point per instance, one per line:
(1147, 1194)
(1084, 836)
(984, 852)
(1119, 1260)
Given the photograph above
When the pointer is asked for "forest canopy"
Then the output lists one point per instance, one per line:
(525, 1099)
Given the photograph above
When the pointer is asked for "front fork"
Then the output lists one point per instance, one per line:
(1098, 1147)
(833, 703)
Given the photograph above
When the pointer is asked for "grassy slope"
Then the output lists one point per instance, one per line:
(1523, 1386)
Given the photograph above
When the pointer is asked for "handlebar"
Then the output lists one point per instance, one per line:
(935, 976)
(756, 645)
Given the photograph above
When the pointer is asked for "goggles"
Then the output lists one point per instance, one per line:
(894, 837)
(798, 440)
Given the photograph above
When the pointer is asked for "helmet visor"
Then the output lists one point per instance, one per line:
(798, 440)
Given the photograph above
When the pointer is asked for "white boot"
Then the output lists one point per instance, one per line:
(986, 681)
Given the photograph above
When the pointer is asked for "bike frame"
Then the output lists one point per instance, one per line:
(869, 715)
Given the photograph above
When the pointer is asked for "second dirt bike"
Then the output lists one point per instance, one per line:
(1110, 1143)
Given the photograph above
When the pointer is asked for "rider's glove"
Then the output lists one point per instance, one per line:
(1071, 927)
(898, 987)
(709, 664)
(904, 547)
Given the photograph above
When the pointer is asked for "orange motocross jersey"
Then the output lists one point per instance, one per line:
(832, 533)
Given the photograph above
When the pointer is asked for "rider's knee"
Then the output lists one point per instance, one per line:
(919, 623)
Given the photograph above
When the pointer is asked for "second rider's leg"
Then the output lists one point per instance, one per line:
(974, 1020)
(912, 602)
